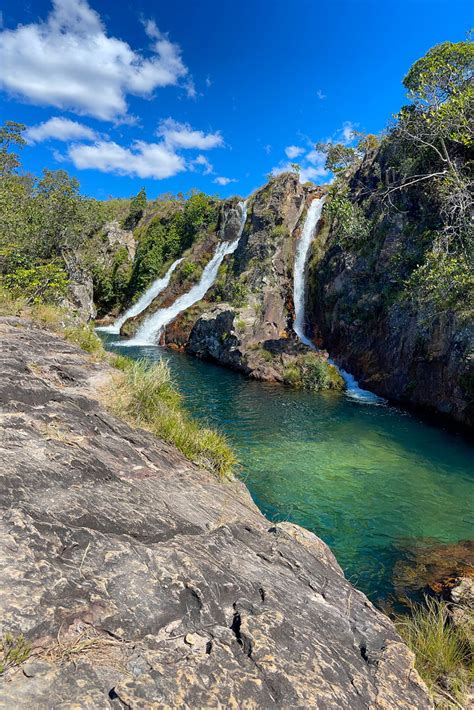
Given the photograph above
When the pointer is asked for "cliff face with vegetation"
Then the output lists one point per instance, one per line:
(387, 306)
(245, 319)
(138, 579)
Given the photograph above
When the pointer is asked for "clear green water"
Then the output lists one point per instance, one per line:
(371, 481)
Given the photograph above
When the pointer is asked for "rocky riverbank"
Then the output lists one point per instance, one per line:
(142, 581)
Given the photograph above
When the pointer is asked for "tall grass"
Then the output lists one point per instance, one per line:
(444, 653)
(145, 396)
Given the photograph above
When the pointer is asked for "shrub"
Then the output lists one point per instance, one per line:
(441, 282)
(43, 283)
(350, 225)
(443, 652)
(145, 396)
(312, 372)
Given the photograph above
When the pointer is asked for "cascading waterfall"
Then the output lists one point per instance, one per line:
(299, 293)
(151, 329)
(143, 302)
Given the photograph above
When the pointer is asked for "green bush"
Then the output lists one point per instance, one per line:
(44, 283)
(312, 372)
(350, 226)
(441, 282)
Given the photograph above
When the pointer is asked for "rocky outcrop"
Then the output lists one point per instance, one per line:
(142, 582)
(245, 319)
(116, 237)
(396, 349)
(80, 291)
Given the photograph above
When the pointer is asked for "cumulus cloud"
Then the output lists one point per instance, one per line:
(181, 135)
(202, 162)
(320, 94)
(311, 166)
(60, 129)
(71, 63)
(144, 160)
(293, 151)
(224, 180)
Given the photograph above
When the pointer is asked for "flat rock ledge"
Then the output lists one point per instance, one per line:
(143, 582)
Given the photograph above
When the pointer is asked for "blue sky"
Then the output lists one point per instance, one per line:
(211, 95)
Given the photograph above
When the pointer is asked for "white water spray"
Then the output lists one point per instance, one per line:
(151, 329)
(143, 302)
(299, 292)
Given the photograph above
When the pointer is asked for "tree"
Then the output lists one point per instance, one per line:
(445, 71)
(10, 134)
(137, 208)
(339, 157)
(433, 135)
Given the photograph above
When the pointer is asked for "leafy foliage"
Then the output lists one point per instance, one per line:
(349, 222)
(312, 372)
(137, 208)
(44, 282)
(165, 237)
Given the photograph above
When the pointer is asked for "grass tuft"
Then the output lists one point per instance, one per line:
(13, 651)
(444, 653)
(84, 336)
(145, 396)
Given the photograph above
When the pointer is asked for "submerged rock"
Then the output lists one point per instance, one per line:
(141, 581)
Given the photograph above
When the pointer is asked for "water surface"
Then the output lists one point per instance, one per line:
(372, 481)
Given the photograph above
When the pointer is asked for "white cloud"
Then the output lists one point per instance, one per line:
(224, 180)
(347, 131)
(293, 151)
(267, 148)
(311, 167)
(60, 129)
(208, 81)
(144, 160)
(312, 173)
(316, 157)
(202, 161)
(71, 63)
(320, 94)
(181, 135)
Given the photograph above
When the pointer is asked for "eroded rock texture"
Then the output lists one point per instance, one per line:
(142, 582)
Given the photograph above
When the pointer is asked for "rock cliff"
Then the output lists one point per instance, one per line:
(245, 319)
(142, 582)
(359, 310)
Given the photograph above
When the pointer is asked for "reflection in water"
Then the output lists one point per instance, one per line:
(362, 478)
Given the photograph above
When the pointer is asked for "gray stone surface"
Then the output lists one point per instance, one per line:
(143, 582)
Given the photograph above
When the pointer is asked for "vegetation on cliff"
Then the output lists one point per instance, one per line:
(422, 166)
(392, 280)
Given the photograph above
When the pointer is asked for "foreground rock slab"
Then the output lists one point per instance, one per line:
(143, 582)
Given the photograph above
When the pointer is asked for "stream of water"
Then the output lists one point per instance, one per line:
(373, 482)
(150, 330)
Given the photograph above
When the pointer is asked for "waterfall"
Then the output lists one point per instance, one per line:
(151, 329)
(299, 297)
(299, 291)
(143, 302)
